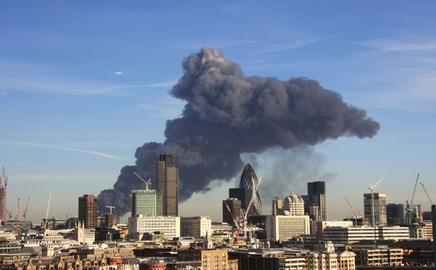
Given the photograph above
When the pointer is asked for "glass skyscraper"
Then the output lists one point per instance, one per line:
(146, 202)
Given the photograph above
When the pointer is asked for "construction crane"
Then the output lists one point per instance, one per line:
(146, 182)
(409, 213)
(426, 193)
(371, 189)
(26, 208)
(355, 213)
(48, 210)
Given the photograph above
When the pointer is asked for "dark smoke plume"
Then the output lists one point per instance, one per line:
(227, 114)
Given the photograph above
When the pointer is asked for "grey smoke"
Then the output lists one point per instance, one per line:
(228, 114)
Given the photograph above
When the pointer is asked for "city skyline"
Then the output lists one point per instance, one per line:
(60, 88)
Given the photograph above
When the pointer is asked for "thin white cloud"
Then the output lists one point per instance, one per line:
(399, 46)
(76, 150)
(28, 77)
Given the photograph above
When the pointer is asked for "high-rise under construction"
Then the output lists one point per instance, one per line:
(167, 184)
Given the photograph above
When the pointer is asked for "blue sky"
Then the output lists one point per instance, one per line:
(69, 123)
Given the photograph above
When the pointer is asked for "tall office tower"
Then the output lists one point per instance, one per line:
(293, 205)
(376, 204)
(231, 211)
(147, 202)
(167, 185)
(395, 214)
(248, 182)
(316, 201)
(88, 211)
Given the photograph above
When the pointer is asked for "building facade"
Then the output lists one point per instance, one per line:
(167, 184)
(375, 202)
(88, 211)
(282, 228)
(350, 235)
(196, 226)
(146, 202)
(293, 205)
(166, 225)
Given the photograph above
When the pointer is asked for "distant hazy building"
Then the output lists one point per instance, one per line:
(282, 228)
(231, 210)
(166, 225)
(376, 204)
(146, 202)
(195, 226)
(395, 214)
(316, 201)
(277, 206)
(88, 211)
(167, 184)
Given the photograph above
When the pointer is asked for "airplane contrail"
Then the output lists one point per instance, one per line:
(76, 150)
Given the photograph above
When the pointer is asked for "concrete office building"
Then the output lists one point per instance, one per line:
(146, 202)
(376, 204)
(140, 225)
(167, 184)
(88, 211)
(350, 235)
(395, 214)
(316, 201)
(282, 228)
(196, 226)
(234, 205)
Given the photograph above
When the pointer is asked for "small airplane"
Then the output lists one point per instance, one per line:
(119, 73)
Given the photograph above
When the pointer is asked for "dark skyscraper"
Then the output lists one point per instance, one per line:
(88, 210)
(234, 205)
(395, 213)
(167, 185)
(316, 201)
(245, 191)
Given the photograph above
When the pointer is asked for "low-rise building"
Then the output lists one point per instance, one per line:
(282, 228)
(349, 235)
(140, 225)
(195, 226)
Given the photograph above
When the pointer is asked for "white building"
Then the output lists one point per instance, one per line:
(349, 235)
(140, 225)
(282, 228)
(196, 226)
(293, 205)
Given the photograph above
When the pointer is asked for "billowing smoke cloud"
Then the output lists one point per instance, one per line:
(228, 114)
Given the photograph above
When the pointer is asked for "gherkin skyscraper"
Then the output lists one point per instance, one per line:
(248, 182)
